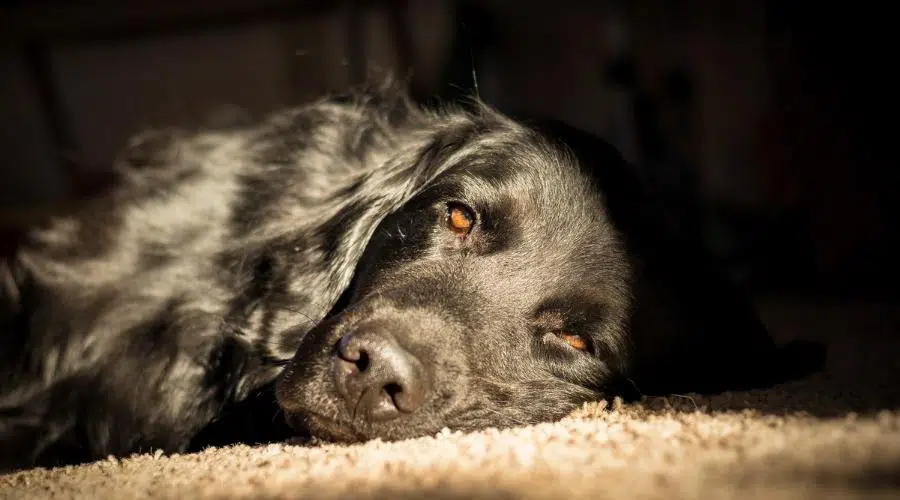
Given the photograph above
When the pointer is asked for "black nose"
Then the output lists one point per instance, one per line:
(377, 378)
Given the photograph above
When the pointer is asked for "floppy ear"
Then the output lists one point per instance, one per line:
(691, 329)
(322, 244)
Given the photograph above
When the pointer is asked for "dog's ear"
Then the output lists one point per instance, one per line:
(346, 222)
(691, 329)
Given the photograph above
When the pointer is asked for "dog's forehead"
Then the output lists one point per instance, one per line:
(541, 195)
(530, 179)
(523, 162)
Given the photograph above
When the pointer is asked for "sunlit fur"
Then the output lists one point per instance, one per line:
(135, 322)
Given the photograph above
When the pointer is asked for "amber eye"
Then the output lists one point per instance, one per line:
(460, 219)
(577, 342)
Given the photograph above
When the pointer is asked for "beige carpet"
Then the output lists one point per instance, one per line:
(834, 435)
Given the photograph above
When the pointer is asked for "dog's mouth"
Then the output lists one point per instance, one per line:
(321, 427)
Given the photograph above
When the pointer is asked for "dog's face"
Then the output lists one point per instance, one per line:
(499, 295)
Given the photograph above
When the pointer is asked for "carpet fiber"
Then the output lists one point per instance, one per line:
(833, 435)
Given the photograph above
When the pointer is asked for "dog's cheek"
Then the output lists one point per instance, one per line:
(313, 351)
(306, 386)
(306, 382)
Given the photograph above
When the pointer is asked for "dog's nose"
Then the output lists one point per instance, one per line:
(377, 377)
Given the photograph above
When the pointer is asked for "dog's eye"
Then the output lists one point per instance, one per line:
(460, 218)
(577, 342)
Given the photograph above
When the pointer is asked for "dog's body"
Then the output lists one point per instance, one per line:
(470, 272)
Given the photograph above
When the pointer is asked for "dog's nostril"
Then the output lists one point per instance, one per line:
(363, 362)
(353, 353)
(393, 389)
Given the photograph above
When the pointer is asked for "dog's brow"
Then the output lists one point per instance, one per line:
(483, 179)
(574, 307)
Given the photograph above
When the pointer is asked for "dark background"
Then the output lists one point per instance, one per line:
(768, 124)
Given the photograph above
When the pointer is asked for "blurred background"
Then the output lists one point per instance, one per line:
(765, 123)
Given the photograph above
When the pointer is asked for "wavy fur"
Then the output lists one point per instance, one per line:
(135, 322)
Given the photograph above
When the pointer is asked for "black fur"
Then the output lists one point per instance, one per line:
(224, 256)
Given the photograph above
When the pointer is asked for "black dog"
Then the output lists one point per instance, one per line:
(413, 270)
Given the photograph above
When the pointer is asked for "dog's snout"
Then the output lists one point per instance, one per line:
(378, 379)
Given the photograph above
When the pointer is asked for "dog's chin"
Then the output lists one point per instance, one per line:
(322, 428)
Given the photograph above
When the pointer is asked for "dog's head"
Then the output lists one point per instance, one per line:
(525, 278)
(499, 294)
